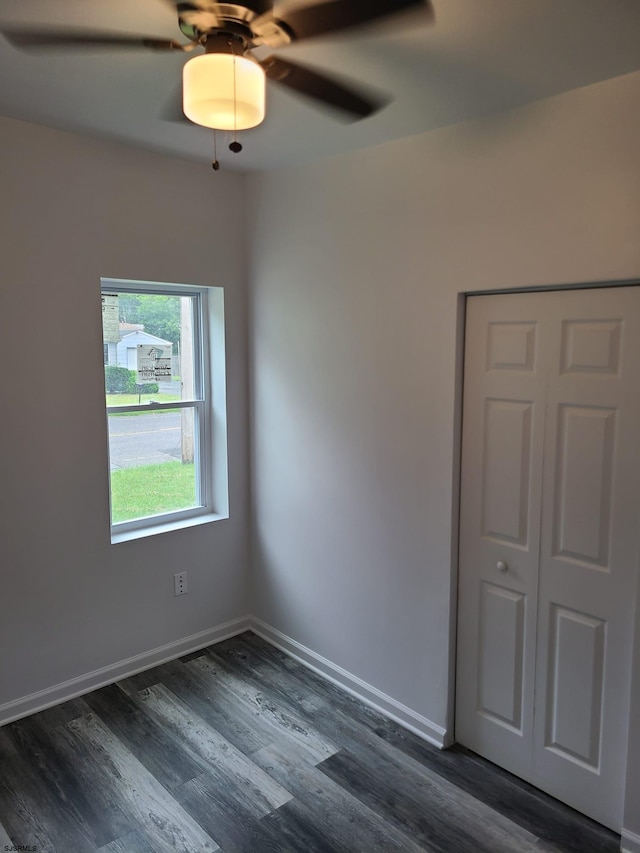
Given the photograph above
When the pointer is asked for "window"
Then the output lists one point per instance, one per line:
(165, 403)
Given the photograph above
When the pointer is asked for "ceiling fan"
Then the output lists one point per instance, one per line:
(224, 86)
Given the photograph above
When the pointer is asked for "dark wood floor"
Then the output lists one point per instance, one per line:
(240, 748)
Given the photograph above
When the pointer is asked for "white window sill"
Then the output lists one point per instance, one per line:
(153, 530)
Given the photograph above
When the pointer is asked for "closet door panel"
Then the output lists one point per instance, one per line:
(589, 549)
(500, 524)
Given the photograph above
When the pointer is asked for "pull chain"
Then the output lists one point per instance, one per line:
(215, 165)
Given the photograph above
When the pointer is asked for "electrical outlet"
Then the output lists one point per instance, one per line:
(180, 583)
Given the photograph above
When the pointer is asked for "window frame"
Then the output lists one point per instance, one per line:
(207, 312)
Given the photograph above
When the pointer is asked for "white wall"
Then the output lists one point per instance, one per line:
(73, 209)
(357, 266)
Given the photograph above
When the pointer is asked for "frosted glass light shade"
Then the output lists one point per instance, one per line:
(208, 91)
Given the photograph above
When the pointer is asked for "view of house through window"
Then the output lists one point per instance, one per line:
(155, 401)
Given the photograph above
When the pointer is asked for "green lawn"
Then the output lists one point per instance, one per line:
(151, 490)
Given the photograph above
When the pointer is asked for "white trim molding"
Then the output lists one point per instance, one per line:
(371, 696)
(122, 669)
(629, 841)
(376, 699)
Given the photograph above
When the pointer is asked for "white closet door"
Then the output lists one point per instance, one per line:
(589, 552)
(554, 630)
(503, 431)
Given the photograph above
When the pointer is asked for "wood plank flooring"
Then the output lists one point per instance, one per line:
(241, 749)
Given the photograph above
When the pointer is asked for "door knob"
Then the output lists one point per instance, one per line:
(501, 567)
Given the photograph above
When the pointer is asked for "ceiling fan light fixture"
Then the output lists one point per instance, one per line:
(223, 91)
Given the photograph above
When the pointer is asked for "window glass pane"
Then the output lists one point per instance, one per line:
(148, 347)
(153, 463)
(156, 363)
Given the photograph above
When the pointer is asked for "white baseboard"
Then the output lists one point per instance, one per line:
(122, 669)
(630, 842)
(366, 693)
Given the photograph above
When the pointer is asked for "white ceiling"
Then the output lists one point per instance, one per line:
(481, 57)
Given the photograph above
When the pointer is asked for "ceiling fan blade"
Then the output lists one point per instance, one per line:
(336, 15)
(52, 39)
(326, 90)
